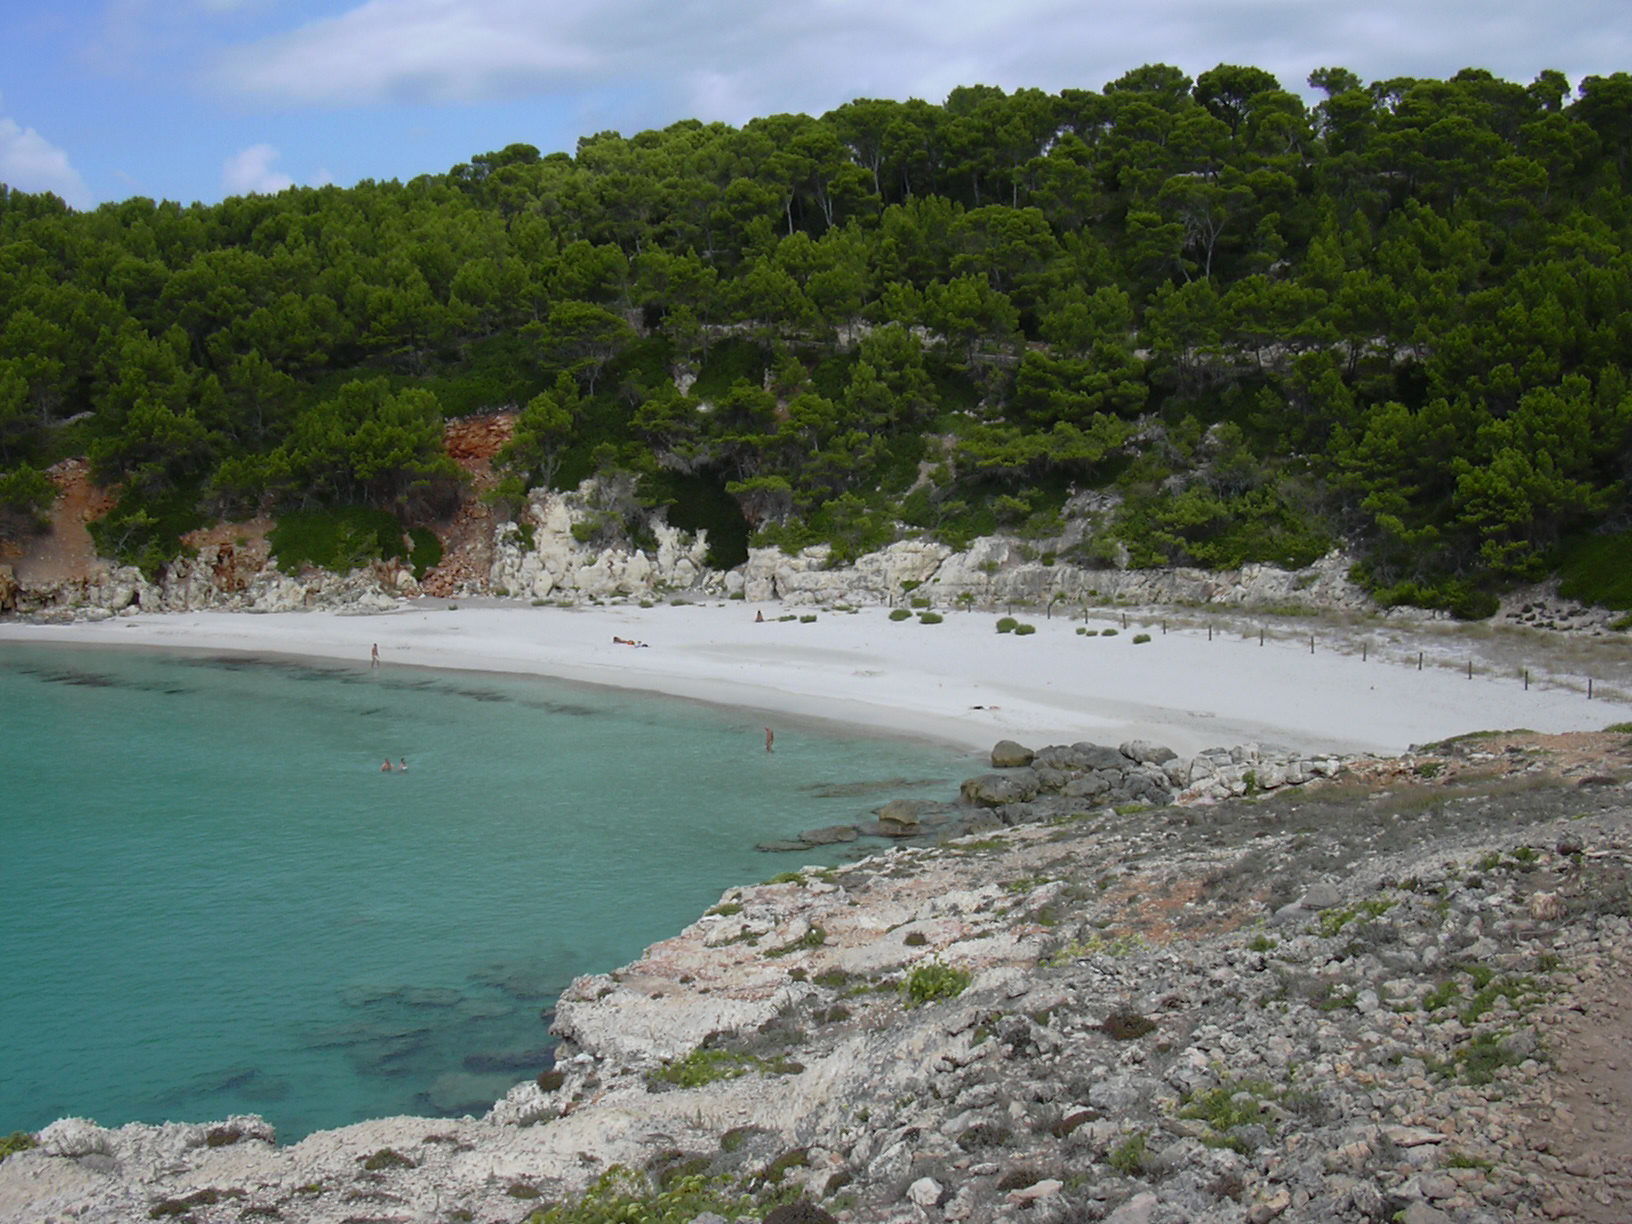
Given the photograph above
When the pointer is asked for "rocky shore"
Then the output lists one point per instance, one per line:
(1396, 993)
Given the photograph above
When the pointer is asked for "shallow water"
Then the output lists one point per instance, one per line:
(213, 900)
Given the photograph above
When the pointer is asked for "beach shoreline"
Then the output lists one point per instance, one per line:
(958, 682)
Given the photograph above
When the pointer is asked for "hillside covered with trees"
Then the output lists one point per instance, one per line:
(1399, 320)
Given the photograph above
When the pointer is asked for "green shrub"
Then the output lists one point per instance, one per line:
(1124, 1025)
(17, 1141)
(385, 1158)
(701, 1067)
(705, 1066)
(1598, 570)
(1007, 624)
(1140, 639)
(813, 938)
(808, 619)
(1024, 630)
(344, 539)
(929, 618)
(1459, 598)
(934, 981)
(900, 614)
(1128, 1157)
(623, 1197)
(1107, 633)
(146, 531)
(425, 553)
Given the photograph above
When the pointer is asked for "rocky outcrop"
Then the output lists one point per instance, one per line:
(571, 546)
(201, 582)
(1067, 781)
(541, 558)
(996, 572)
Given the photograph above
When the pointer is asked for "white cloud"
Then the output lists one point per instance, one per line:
(731, 59)
(30, 162)
(250, 172)
(413, 50)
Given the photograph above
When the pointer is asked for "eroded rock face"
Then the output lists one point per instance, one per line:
(545, 560)
(198, 583)
(994, 571)
(556, 565)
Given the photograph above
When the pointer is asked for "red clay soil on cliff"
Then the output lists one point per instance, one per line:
(66, 553)
(63, 553)
(467, 539)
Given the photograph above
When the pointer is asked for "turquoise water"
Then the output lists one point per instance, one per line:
(214, 902)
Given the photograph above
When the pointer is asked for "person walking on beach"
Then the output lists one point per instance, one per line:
(770, 738)
(374, 656)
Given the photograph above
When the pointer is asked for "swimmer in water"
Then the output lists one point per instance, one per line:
(402, 766)
(385, 765)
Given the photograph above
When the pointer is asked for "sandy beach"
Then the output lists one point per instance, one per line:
(958, 682)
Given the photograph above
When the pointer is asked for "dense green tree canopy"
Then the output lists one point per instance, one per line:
(1399, 319)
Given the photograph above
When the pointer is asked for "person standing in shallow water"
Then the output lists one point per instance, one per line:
(770, 738)
(385, 765)
(374, 656)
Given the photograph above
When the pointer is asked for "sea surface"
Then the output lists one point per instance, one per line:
(212, 901)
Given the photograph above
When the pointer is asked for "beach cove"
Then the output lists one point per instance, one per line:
(957, 683)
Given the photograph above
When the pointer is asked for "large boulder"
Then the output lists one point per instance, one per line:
(1098, 756)
(1006, 754)
(901, 814)
(1146, 753)
(997, 790)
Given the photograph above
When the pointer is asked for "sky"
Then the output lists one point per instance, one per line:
(186, 100)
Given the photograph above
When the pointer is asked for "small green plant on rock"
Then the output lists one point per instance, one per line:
(705, 1066)
(386, 1158)
(1123, 1025)
(621, 1196)
(813, 938)
(932, 982)
(1232, 1104)
(17, 1141)
(1129, 1156)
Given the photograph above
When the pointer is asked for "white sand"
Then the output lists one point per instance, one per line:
(958, 682)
